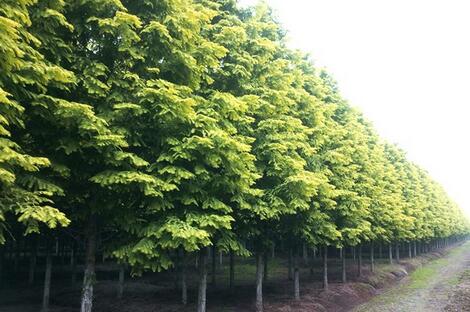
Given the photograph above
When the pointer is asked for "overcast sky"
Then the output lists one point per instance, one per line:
(405, 64)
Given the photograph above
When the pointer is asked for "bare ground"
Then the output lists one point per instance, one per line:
(158, 292)
(441, 285)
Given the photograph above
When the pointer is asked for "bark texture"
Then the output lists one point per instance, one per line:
(397, 252)
(89, 276)
(201, 298)
(121, 282)
(359, 260)
(184, 285)
(372, 260)
(325, 268)
(47, 279)
(259, 282)
(232, 271)
(343, 268)
(296, 281)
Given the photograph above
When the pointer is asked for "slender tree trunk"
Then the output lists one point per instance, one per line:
(359, 260)
(214, 263)
(343, 267)
(314, 253)
(312, 263)
(259, 282)
(325, 268)
(397, 252)
(265, 270)
(232, 271)
(221, 258)
(273, 250)
(414, 249)
(296, 278)
(184, 285)
(120, 290)
(353, 251)
(176, 272)
(305, 254)
(89, 275)
(390, 254)
(289, 269)
(372, 260)
(201, 300)
(47, 279)
(380, 251)
(409, 250)
(32, 262)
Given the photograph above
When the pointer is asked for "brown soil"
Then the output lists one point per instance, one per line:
(460, 299)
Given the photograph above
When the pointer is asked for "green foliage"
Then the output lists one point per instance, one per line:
(25, 76)
(183, 124)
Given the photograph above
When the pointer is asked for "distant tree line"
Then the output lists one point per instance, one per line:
(150, 128)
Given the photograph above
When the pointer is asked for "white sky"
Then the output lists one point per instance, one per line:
(405, 64)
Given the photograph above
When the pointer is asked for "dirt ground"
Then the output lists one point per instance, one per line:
(460, 299)
(160, 292)
(441, 285)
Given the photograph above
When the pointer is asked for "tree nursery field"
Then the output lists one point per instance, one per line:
(165, 139)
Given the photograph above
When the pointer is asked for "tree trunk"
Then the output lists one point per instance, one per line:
(221, 258)
(47, 279)
(414, 249)
(32, 262)
(273, 251)
(232, 271)
(296, 278)
(409, 250)
(176, 272)
(289, 269)
(359, 260)
(305, 254)
(214, 263)
(184, 285)
(259, 282)
(343, 267)
(121, 282)
(314, 253)
(372, 260)
(380, 251)
(201, 299)
(353, 251)
(89, 276)
(325, 268)
(390, 254)
(265, 270)
(397, 252)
